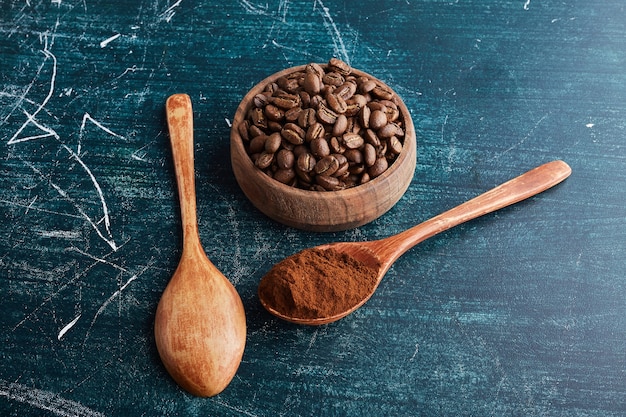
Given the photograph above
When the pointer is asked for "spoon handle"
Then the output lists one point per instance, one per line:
(180, 124)
(519, 188)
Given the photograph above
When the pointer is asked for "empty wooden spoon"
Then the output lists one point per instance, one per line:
(280, 294)
(200, 324)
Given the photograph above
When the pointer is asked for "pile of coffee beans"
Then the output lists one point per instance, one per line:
(323, 128)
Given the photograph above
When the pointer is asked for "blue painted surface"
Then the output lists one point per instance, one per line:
(521, 312)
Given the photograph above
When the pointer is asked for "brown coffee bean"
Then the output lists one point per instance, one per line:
(257, 144)
(354, 155)
(395, 146)
(336, 103)
(306, 118)
(346, 90)
(378, 119)
(340, 66)
(293, 133)
(333, 79)
(328, 165)
(273, 142)
(335, 145)
(382, 92)
(319, 147)
(340, 126)
(387, 131)
(326, 115)
(286, 101)
(353, 140)
(242, 129)
(328, 183)
(378, 168)
(312, 83)
(365, 116)
(369, 154)
(315, 131)
(264, 160)
(366, 85)
(306, 162)
(258, 118)
(286, 176)
(293, 114)
(260, 100)
(285, 159)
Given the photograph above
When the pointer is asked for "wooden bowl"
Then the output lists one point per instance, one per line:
(321, 211)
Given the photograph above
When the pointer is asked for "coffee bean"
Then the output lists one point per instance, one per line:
(306, 162)
(353, 140)
(379, 167)
(328, 183)
(285, 159)
(378, 119)
(320, 147)
(340, 66)
(286, 176)
(293, 133)
(326, 166)
(272, 143)
(264, 160)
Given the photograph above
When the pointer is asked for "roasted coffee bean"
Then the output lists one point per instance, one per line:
(286, 101)
(365, 116)
(328, 165)
(377, 119)
(319, 147)
(273, 142)
(323, 128)
(260, 100)
(293, 133)
(378, 168)
(306, 162)
(340, 66)
(387, 131)
(285, 159)
(354, 155)
(340, 126)
(293, 114)
(369, 154)
(346, 90)
(264, 160)
(328, 183)
(326, 115)
(312, 83)
(257, 144)
(353, 140)
(336, 103)
(306, 118)
(395, 146)
(382, 92)
(286, 176)
(315, 131)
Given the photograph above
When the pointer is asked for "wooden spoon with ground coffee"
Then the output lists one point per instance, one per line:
(326, 283)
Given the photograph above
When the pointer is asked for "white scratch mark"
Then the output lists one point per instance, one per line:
(45, 400)
(251, 8)
(107, 41)
(527, 5)
(68, 327)
(169, 13)
(417, 348)
(105, 209)
(228, 122)
(87, 117)
(340, 48)
(31, 117)
(60, 234)
(95, 258)
(57, 2)
(590, 125)
(66, 196)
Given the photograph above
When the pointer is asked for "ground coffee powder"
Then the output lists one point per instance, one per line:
(316, 283)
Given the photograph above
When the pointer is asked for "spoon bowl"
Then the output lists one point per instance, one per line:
(379, 255)
(200, 324)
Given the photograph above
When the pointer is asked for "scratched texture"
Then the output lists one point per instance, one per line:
(519, 313)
